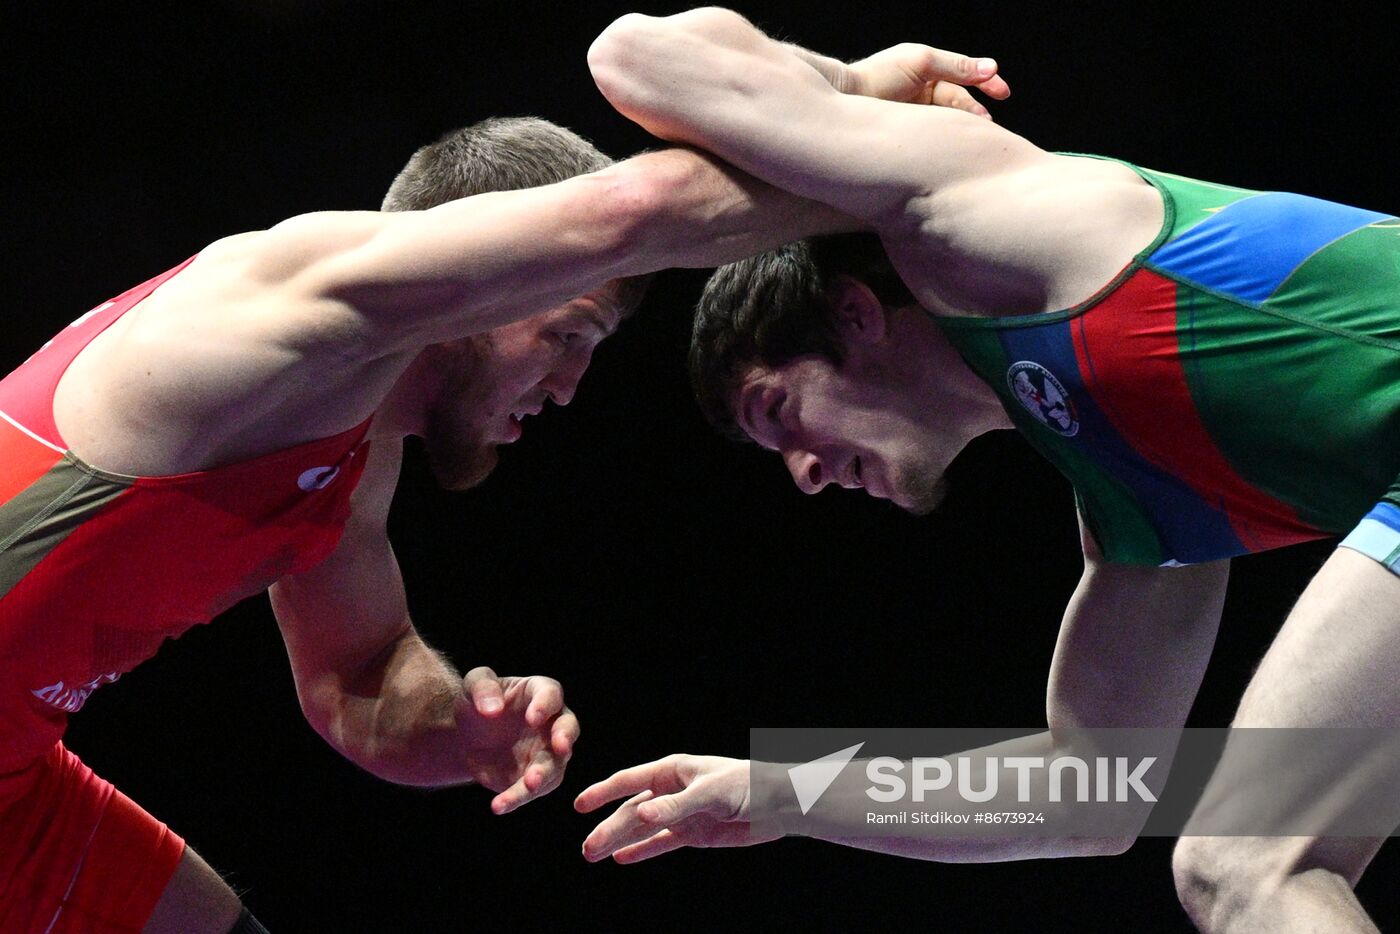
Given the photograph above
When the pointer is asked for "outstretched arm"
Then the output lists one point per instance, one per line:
(709, 78)
(381, 283)
(1132, 650)
(387, 701)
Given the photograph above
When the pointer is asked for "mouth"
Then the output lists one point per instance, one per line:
(513, 428)
(515, 422)
(867, 477)
(854, 475)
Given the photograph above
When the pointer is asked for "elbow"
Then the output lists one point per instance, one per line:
(333, 708)
(1106, 846)
(325, 717)
(616, 57)
(366, 749)
(631, 58)
(616, 42)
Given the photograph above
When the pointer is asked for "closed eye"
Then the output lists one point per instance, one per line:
(775, 409)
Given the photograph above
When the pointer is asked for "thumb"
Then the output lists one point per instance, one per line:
(483, 687)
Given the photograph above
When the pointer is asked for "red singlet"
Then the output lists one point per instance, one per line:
(98, 569)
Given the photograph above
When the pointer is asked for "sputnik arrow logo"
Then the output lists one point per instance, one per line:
(811, 779)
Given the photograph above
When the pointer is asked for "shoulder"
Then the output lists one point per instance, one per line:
(228, 359)
(1034, 180)
(1038, 233)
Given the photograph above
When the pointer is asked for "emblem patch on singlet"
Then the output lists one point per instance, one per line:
(317, 478)
(1044, 396)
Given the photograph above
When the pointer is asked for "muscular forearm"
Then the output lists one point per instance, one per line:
(833, 71)
(703, 212)
(395, 716)
(708, 78)
(957, 832)
(428, 276)
(1130, 657)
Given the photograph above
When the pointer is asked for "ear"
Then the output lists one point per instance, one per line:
(860, 318)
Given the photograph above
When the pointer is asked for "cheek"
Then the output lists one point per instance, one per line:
(533, 369)
(837, 421)
(517, 373)
(868, 429)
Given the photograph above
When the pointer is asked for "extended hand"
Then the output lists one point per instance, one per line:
(517, 735)
(677, 801)
(919, 74)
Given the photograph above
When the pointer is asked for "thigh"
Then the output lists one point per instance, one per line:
(1334, 664)
(78, 855)
(1336, 660)
(197, 901)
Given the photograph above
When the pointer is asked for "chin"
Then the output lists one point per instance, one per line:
(921, 494)
(463, 468)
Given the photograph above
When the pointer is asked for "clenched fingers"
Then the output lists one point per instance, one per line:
(546, 699)
(541, 776)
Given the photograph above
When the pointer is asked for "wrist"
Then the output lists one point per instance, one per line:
(772, 805)
(835, 72)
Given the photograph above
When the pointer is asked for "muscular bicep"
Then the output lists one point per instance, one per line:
(397, 281)
(1134, 644)
(710, 79)
(339, 617)
(390, 282)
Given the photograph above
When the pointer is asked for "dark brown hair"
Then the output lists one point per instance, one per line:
(774, 307)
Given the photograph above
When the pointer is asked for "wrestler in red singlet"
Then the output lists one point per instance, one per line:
(96, 570)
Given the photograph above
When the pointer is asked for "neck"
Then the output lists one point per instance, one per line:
(404, 410)
(967, 407)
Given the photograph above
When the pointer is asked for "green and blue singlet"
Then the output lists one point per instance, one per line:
(1235, 389)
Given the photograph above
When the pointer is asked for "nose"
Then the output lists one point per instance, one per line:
(562, 382)
(807, 471)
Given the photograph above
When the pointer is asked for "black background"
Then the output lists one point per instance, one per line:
(680, 587)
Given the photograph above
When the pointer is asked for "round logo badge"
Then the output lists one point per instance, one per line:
(317, 478)
(1037, 389)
